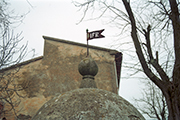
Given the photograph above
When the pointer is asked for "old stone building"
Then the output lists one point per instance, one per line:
(88, 102)
(56, 72)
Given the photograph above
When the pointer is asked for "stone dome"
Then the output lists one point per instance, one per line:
(88, 104)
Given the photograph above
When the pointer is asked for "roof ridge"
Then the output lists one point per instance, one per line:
(79, 44)
(21, 64)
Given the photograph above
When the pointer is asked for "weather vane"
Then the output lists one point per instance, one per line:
(93, 35)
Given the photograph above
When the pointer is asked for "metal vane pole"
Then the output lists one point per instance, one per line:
(87, 42)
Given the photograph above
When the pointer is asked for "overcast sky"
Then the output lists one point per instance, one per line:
(58, 19)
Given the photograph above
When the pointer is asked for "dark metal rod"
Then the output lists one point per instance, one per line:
(87, 42)
(87, 49)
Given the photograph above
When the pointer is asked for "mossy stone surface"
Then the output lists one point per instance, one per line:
(88, 104)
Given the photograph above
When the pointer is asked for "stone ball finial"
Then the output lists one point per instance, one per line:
(88, 67)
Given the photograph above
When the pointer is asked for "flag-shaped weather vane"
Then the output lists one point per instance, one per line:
(93, 35)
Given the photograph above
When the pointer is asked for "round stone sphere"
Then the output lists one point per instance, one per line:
(88, 66)
(88, 104)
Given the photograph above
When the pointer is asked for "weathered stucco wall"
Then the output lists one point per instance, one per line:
(57, 72)
(62, 61)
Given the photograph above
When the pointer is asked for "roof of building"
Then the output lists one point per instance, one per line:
(111, 51)
(21, 64)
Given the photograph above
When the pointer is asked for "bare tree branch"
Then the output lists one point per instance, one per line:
(11, 53)
(153, 102)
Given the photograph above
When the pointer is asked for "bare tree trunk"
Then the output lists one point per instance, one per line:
(170, 89)
(173, 98)
(170, 93)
